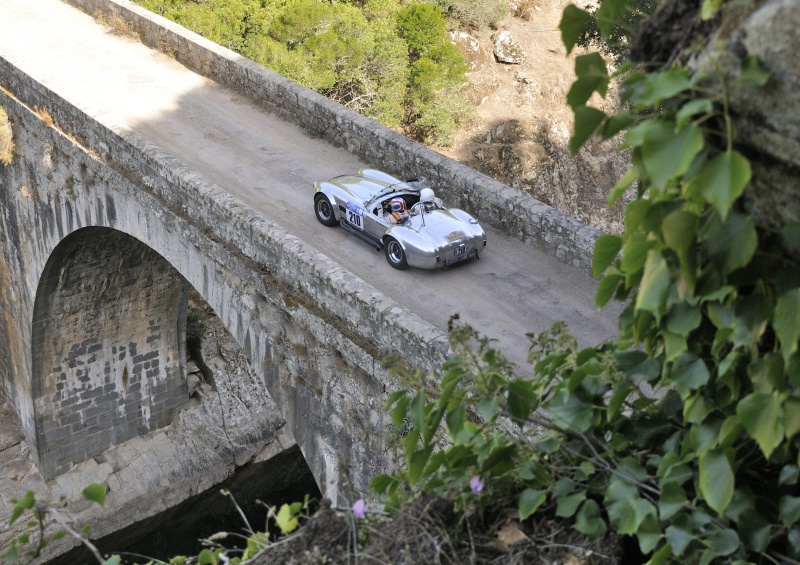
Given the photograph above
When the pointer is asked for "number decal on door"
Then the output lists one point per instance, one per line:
(355, 215)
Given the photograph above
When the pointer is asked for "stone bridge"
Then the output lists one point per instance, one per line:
(102, 233)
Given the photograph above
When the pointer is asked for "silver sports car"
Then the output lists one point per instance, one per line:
(404, 219)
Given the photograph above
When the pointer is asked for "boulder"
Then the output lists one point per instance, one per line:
(506, 48)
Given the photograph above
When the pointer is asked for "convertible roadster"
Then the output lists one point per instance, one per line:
(404, 219)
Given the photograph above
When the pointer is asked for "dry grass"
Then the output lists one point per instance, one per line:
(44, 115)
(117, 24)
(523, 9)
(6, 139)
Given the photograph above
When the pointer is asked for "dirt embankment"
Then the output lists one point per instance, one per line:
(522, 127)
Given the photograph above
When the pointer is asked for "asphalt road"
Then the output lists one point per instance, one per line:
(271, 165)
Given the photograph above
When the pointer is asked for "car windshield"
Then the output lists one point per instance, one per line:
(396, 187)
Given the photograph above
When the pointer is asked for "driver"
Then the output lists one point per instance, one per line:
(429, 200)
(397, 211)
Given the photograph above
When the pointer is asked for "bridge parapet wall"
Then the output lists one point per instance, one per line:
(494, 203)
(276, 295)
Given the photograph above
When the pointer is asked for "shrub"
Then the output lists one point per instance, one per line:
(477, 14)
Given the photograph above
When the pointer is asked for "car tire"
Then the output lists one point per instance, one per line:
(324, 210)
(395, 254)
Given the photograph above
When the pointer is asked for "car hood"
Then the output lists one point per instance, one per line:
(440, 226)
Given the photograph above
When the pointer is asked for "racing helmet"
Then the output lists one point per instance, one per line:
(426, 195)
(397, 205)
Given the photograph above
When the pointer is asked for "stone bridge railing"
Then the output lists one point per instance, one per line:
(517, 214)
(278, 279)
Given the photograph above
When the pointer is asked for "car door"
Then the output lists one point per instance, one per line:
(354, 215)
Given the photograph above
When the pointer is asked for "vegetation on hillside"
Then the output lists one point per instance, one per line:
(389, 60)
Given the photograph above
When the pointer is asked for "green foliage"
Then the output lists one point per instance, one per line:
(476, 14)
(608, 26)
(195, 328)
(392, 62)
(683, 432)
(26, 547)
(230, 23)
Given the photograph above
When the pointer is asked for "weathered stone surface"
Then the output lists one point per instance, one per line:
(506, 49)
(224, 428)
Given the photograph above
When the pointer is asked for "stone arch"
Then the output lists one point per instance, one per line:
(108, 354)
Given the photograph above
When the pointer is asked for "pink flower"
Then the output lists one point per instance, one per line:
(360, 509)
(476, 484)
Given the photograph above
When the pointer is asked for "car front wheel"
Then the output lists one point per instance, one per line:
(324, 210)
(395, 254)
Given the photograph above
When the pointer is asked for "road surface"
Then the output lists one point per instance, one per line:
(271, 165)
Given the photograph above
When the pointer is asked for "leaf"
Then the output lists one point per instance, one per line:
(416, 464)
(716, 479)
(592, 76)
(417, 411)
(608, 15)
(623, 184)
(286, 519)
(722, 180)
(399, 412)
(660, 86)
(606, 249)
(95, 493)
(529, 501)
(487, 407)
(789, 475)
(605, 289)
(521, 399)
(761, 415)
(570, 412)
(500, 455)
(789, 510)
(672, 500)
(724, 541)
(692, 108)
(113, 560)
(655, 285)
(732, 243)
(649, 534)
(573, 23)
(627, 514)
(635, 213)
(615, 124)
(568, 505)
(791, 414)
(678, 538)
(667, 154)
(586, 121)
(752, 73)
(380, 483)
(709, 9)
(689, 373)
(790, 236)
(683, 319)
(589, 521)
(786, 322)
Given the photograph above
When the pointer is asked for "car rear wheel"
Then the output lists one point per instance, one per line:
(395, 254)
(324, 210)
